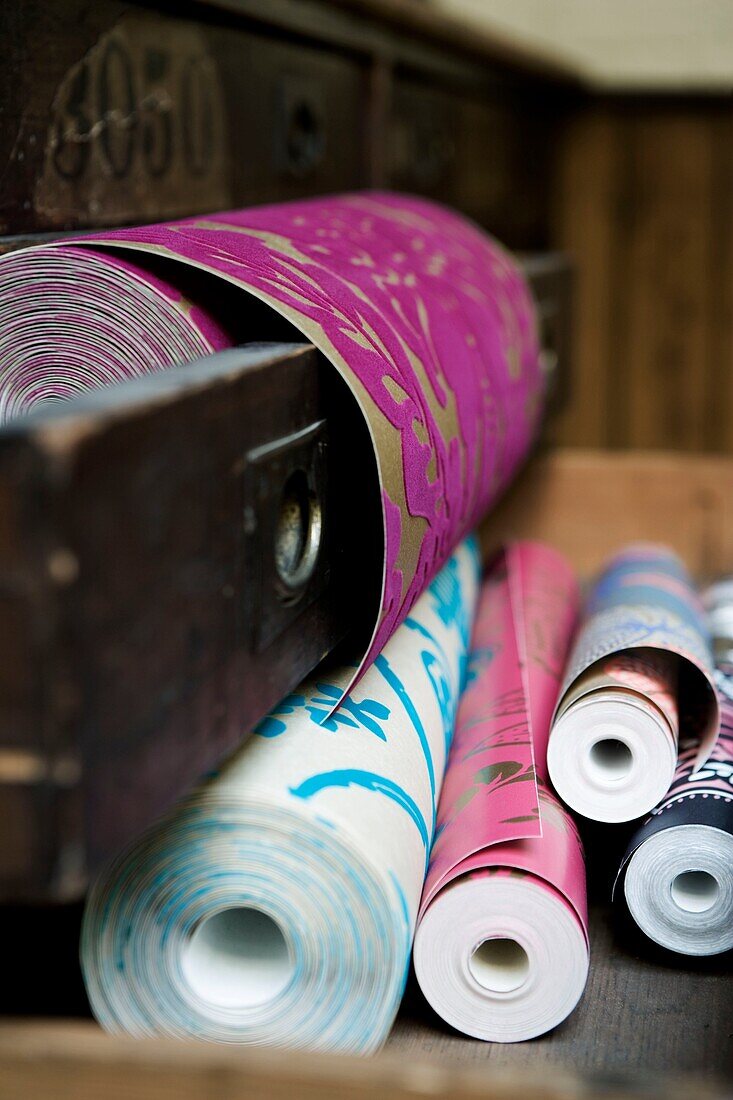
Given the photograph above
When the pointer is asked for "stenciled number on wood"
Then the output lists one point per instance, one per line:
(125, 103)
(137, 129)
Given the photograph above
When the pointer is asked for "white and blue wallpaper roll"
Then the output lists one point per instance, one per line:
(277, 904)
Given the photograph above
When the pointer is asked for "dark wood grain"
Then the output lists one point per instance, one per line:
(584, 200)
(124, 112)
(643, 201)
(144, 627)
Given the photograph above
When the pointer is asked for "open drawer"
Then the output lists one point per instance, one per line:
(171, 566)
(648, 1025)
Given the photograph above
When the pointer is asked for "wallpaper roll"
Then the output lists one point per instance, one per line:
(677, 874)
(277, 904)
(501, 948)
(428, 320)
(639, 678)
(614, 740)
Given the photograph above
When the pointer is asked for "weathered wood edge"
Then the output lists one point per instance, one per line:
(80, 1060)
(83, 583)
(93, 411)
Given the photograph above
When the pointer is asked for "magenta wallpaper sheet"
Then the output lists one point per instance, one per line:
(427, 318)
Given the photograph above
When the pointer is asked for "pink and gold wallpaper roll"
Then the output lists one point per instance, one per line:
(426, 317)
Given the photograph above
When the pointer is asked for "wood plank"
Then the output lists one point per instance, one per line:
(77, 1060)
(643, 202)
(583, 214)
(588, 503)
(146, 627)
(719, 390)
(667, 284)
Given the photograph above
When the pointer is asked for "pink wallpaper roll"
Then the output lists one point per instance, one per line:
(501, 949)
(427, 319)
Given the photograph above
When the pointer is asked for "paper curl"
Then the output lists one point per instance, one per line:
(501, 955)
(639, 677)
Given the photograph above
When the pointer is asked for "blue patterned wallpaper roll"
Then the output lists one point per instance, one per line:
(277, 904)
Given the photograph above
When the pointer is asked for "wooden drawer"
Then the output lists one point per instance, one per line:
(140, 115)
(116, 644)
(296, 117)
(143, 626)
(140, 112)
(111, 115)
(644, 1027)
(487, 155)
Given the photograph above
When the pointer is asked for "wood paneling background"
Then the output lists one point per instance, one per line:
(643, 200)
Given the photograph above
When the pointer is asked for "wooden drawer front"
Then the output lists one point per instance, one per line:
(145, 627)
(503, 153)
(421, 145)
(484, 156)
(140, 116)
(296, 118)
(121, 120)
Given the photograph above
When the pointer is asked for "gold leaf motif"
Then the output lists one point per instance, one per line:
(395, 390)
